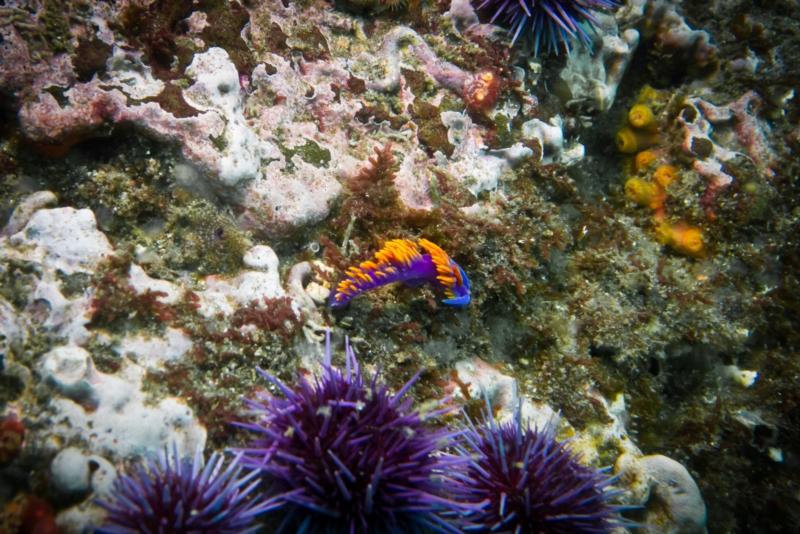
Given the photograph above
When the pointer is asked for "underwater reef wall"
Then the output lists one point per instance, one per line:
(574, 223)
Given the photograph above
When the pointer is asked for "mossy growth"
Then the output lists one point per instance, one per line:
(124, 194)
(11, 387)
(74, 285)
(160, 30)
(378, 110)
(311, 42)
(310, 152)
(431, 132)
(200, 238)
(371, 198)
(154, 29)
(220, 142)
(104, 358)
(17, 281)
(220, 368)
(419, 83)
(171, 100)
(55, 15)
(503, 132)
(90, 57)
(225, 31)
(116, 305)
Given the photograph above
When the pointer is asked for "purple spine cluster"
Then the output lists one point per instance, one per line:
(341, 454)
(525, 481)
(550, 24)
(174, 495)
(345, 455)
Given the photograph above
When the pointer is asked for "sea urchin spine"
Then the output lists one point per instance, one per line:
(348, 456)
(525, 481)
(551, 23)
(173, 495)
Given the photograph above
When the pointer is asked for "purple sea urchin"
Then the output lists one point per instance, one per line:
(171, 495)
(551, 23)
(349, 456)
(527, 482)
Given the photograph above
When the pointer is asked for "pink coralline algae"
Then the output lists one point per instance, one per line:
(272, 137)
(714, 135)
(89, 107)
(444, 72)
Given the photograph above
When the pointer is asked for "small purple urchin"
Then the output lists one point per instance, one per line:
(171, 495)
(527, 482)
(348, 456)
(553, 23)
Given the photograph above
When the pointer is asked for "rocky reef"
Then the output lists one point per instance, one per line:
(185, 183)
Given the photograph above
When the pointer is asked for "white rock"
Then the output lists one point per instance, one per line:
(69, 472)
(153, 352)
(299, 275)
(216, 89)
(593, 76)
(70, 370)
(122, 422)
(226, 295)
(485, 382)
(300, 197)
(65, 318)
(22, 213)
(551, 139)
(83, 517)
(62, 238)
(477, 169)
(318, 292)
(103, 475)
(141, 282)
(462, 13)
(126, 70)
(262, 258)
(11, 331)
(672, 500)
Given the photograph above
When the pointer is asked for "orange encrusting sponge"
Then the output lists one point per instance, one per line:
(682, 238)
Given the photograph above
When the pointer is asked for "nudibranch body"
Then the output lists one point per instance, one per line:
(403, 260)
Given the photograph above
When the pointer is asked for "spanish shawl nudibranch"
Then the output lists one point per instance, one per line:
(403, 260)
